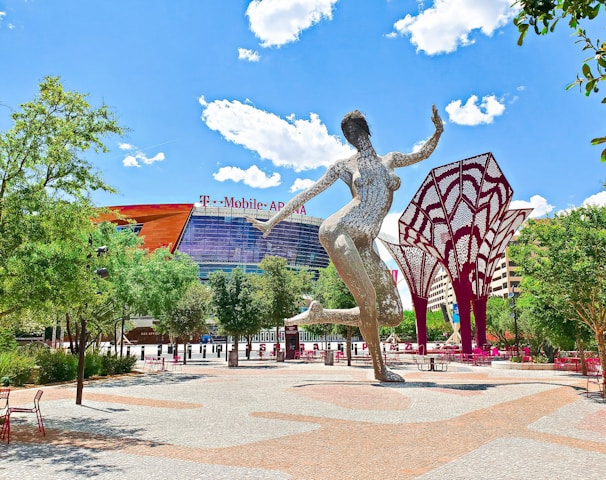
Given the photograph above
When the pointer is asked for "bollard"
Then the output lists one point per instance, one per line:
(128, 350)
(160, 350)
(109, 350)
(189, 352)
(356, 350)
(204, 351)
(213, 348)
(218, 351)
(142, 352)
(200, 348)
(170, 348)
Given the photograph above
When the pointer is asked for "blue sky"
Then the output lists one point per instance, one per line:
(245, 98)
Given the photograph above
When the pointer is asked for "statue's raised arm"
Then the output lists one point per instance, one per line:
(297, 201)
(397, 159)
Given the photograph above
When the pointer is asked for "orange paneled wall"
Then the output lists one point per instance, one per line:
(163, 224)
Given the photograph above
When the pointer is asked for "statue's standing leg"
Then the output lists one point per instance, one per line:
(348, 262)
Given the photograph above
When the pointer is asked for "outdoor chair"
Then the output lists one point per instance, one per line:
(595, 377)
(175, 362)
(35, 409)
(5, 414)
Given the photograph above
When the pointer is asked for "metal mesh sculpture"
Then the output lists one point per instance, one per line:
(449, 218)
(419, 269)
(491, 251)
(348, 235)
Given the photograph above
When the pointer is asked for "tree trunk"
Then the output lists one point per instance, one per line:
(68, 329)
(81, 351)
(602, 354)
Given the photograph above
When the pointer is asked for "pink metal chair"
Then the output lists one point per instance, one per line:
(35, 409)
(5, 418)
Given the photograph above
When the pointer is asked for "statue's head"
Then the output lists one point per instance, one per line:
(355, 127)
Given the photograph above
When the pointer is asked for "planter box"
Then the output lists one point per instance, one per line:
(507, 365)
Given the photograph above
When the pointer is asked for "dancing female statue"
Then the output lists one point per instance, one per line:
(348, 235)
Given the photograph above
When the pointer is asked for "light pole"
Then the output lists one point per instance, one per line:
(512, 314)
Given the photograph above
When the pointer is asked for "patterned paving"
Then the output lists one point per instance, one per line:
(311, 421)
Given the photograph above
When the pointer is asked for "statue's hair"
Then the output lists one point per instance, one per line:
(357, 118)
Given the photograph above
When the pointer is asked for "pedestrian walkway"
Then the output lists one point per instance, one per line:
(292, 420)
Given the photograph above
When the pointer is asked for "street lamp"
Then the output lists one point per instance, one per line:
(512, 314)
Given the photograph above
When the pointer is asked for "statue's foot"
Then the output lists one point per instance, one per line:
(389, 376)
(312, 315)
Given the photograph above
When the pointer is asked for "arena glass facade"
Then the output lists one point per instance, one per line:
(220, 238)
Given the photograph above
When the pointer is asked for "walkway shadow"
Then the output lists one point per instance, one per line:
(60, 447)
(160, 378)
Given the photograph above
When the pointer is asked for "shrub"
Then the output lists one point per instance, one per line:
(7, 341)
(57, 366)
(114, 365)
(16, 368)
(92, 364)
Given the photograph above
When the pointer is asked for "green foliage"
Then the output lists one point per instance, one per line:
(7, 341)
(331, 292)
(282, 289)
(235, 303)
(45, 186)
(563, 264)
(16, 368)
(190, 313)
(542, 16)
(92, 364)
(56, 366)
(114, 365)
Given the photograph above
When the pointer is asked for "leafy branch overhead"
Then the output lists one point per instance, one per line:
(542, 16)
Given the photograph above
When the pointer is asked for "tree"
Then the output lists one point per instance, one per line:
(282, 290)
(544, 15)
(160, 283)
(189, 316)
(499, 322)
(566, 257)
(45, 184)
(331, 292)
(235, 304)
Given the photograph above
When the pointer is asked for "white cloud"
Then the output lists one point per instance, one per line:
(473, 114)
(134, 159)
(130, 161)
(301, 184)
(277, 22)
(248, 55)
(253, 177)
(447, 25)
(599, 199)
(297, 144)
(539, 205)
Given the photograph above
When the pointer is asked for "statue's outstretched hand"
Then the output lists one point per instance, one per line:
(435, 118)
(260, 225)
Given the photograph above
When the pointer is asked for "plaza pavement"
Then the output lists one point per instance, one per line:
(292, 420)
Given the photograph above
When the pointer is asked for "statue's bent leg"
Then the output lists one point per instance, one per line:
(316, 314)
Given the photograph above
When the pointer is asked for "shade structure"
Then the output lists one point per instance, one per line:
(491, 251)
(419, 269)
(449, 218)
